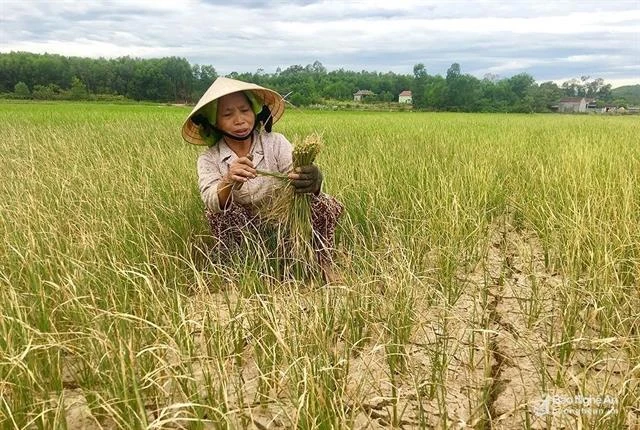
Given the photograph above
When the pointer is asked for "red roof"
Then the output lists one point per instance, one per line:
(405, 93)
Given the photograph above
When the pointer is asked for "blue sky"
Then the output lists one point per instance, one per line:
(555, 40)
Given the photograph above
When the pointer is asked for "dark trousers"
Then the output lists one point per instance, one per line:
(232, 227)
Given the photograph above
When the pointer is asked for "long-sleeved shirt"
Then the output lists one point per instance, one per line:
(271, 152)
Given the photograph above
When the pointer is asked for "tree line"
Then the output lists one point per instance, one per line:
(172, 79)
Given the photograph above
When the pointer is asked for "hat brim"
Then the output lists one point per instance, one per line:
(221, 87)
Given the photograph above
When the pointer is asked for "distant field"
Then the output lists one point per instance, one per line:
(491, 266)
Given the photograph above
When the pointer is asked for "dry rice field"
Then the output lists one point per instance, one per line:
(489, 278)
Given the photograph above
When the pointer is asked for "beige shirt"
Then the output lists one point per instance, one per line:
(271, 152)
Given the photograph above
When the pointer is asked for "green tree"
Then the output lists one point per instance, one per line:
(453, 72)
(174, 79)
(318, 68)
(455, 94)
(21, 90)
(177, 73)
(46, 92)
(463, 91)
(386, 96)
(203, 77)
(630, 94)
(78, 89)
(436, 93)
(587, 87)
(523, 87)
(546, 95)
(418, 90)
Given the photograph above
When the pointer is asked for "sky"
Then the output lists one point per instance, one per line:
(551, 40)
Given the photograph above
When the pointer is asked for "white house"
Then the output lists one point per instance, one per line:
(575, 104)
(405, 97)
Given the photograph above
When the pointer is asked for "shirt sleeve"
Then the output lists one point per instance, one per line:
(285, 155)
(209, 177)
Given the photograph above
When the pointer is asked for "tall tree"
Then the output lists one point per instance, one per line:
(419, 87)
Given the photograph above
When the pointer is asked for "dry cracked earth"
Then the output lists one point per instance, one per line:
(497, 350)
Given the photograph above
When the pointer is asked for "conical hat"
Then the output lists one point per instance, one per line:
(221, 87)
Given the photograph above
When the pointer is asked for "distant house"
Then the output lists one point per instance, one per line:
(361, 94)
(405, 97)
(575, 105)
(611, 109)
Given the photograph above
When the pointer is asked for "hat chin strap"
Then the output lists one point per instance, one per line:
(233, 136)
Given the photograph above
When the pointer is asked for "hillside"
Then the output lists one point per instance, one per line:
(631, 93)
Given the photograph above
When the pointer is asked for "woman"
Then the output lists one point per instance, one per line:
(234, 119)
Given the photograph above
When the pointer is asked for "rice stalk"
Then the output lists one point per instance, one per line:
(272, 174)
(290, 212)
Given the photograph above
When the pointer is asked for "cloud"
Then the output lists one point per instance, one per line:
(549, 40)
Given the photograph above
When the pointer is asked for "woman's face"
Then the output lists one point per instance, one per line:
(234, 114)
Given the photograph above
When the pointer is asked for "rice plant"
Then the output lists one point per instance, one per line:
(115, 315)
(290, 212)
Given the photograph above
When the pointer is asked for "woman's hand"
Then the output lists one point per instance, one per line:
(306, 179)
(240, 171)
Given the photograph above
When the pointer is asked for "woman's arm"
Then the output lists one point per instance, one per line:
(209, 178)
(216, 188)
(240, 171)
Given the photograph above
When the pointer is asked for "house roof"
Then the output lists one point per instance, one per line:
(405, 93)
(364, 93)
(576, 100)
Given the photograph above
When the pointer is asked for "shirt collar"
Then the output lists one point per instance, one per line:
(257, 150)
(227, 155)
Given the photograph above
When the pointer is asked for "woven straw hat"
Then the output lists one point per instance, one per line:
(221, 87)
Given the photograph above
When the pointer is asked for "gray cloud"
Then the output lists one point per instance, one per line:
(550, 40)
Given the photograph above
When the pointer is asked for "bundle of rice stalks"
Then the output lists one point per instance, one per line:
(291, 215)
